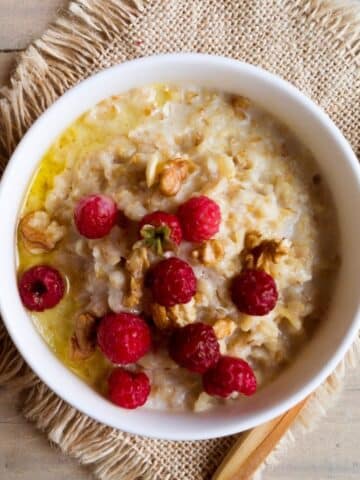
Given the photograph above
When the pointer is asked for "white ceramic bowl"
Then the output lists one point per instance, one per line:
(338, 165)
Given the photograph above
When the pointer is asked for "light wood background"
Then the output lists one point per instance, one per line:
(331, 452)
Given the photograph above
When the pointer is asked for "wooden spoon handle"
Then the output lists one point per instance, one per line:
(252, 448)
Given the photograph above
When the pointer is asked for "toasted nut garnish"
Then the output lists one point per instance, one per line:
(240, 104)
(152, 168)
(224, 327)
(136, 265)
(173, 317)
(258, 253)
(135, 292)
(173, 176)
(182, 314)
(39, 233)
(83, 342)
(209, 253)
(160, 317)
(138, 262)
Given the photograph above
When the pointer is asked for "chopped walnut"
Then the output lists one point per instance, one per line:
(259, 253)
(138, 262)
(135, 292)
(173, 176)
(182, 314)
(173, 317)
(39, 233)
(209, 253)
(224, 327)
(240, 104)
(136, 265)
(160, 317)
(83, 342)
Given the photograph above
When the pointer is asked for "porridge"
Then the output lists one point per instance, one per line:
(176, 247)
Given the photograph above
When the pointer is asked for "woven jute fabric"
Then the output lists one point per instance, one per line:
(315, 44)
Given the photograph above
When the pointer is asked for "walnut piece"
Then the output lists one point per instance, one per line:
(83, 341)
(240, 104)
(224, 327)
(160, 317)
(172, 176)
(39, 233)
(262, 253)
(173, 317)
(209, 253)
(136, 265)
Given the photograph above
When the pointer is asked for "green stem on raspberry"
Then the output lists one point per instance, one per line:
(156, 237)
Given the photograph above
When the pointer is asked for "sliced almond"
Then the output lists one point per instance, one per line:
(152, 167)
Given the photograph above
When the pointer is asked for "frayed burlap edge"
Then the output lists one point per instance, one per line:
(42, 75)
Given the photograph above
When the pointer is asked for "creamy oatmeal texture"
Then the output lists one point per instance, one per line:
(151, 149)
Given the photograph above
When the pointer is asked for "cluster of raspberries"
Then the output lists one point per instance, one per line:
(124, 338)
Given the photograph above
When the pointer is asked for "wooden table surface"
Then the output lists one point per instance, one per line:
(330, 452)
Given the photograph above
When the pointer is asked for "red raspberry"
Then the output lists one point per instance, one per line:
(95, 216)
(172, 281)
(41, 287)
(128, 389)
(254, 292)
(123, 338)
(200, 219)
(195, 347)
(230, 375)
(159, 228)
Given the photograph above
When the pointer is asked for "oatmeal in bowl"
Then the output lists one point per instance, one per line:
(177, 248)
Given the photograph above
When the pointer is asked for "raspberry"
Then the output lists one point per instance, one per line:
(194, 347)
(159, 228)
(123, 338)
(41, 287)
(200, 219)
(172, 281)
(229, 375)
(254, 292)
(128, 389)
(95, 216)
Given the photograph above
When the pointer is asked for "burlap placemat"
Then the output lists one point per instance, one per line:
(313, 44)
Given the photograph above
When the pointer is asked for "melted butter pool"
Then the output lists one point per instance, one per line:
(88, 133)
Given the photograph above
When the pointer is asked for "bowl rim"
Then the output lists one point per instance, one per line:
(56, 371)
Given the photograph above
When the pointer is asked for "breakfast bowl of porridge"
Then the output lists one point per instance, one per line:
(178, 246)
